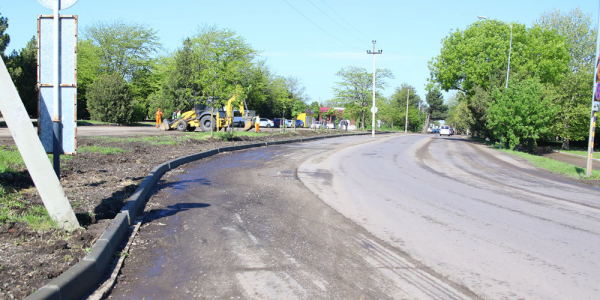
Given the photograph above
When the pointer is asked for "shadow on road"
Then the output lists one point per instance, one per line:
(156, 214)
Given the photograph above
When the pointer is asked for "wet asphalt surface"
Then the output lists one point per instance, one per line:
(242, 226)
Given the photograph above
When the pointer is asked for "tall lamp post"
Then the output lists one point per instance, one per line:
(509, 49)
(373, 108)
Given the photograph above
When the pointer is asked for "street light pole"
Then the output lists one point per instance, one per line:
(509, 51)
(406, 120)
(373, 108)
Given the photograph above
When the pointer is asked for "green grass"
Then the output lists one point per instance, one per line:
(91, 122)
(10, 159)
(581, 153)
(554, 166)
(100, 149)
(14, 209)
(177, 138)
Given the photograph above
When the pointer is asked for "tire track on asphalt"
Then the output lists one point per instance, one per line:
(425, 156)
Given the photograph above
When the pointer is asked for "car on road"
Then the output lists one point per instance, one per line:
(299, 123)
(289, 123)
(445, 130)
(315, 125)
(429, 130)
(266, 123)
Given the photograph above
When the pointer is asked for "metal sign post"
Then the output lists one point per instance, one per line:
(49, 75)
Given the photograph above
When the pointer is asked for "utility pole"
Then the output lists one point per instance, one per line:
(373, 108)
(406, 121)
(595, 107)
(509, 51)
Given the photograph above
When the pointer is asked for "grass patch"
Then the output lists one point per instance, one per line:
(554, 166)
(152, 140)
(581, 153)
(91, 122)
(10, 159)
(100, 149)
(14, 209)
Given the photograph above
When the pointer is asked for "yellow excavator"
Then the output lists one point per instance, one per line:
(200, 116)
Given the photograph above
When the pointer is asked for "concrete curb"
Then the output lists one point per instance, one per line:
(77, 280)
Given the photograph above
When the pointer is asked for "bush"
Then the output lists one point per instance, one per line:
(109, 100)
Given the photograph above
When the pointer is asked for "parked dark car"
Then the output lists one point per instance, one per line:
(299, 123)
(277, 122)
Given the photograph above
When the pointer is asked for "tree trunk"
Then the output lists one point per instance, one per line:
(565, 144)
(427, 120)
(362, 120)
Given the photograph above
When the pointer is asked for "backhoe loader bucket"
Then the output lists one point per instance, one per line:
(248, 124)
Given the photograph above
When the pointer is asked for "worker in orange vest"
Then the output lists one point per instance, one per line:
(158, 117)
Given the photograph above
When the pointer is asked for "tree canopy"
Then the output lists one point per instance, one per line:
(355, 88)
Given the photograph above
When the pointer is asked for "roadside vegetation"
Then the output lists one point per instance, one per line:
(554, 166)
(548, 92)
(14, 209)
(581, 153)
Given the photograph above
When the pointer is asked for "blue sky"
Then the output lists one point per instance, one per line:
(308, 39)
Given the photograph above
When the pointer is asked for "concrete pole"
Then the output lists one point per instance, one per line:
(373, 107)
(33, 154)
(595, 97)
(406, 121)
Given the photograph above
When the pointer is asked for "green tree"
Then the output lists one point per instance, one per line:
(459, 115)
(356, 88)
(88, 70)
(221, 59)
(4, 37)
(521, 113)
(399, 99)
(573, 92)
(474, 62)
(436, 109)
(109, 99)
(22, 67)
(478, 56)
(126, 49)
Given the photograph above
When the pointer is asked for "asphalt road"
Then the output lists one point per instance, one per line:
(395, 217)
(243, 226)
(489, 222)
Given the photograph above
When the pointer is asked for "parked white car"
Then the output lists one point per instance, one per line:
(315, 125)
(265, 123)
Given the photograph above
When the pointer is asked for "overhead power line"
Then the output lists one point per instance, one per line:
(331, 35)
(334, 21)
(345, 20)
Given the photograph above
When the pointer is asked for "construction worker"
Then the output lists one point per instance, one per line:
(179, 114)
(159, 115)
